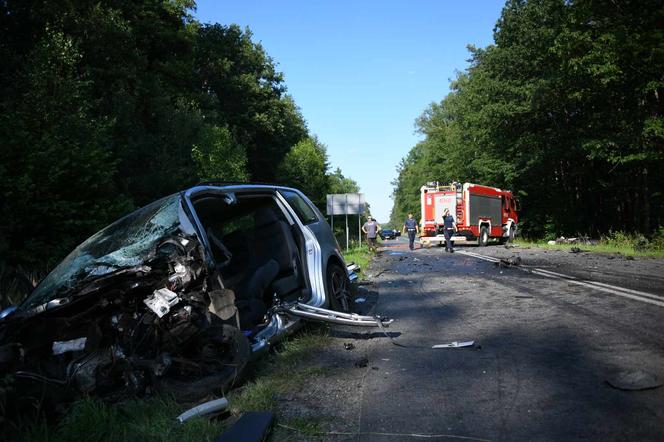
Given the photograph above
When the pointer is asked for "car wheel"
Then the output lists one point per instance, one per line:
(484, 236)
(338, 289)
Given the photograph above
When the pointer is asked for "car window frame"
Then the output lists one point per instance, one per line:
(296, 209)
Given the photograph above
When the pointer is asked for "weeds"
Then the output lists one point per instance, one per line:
(360, 255)
(136, 420)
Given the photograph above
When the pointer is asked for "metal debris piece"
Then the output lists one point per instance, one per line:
(161, 301)
(206, 409)
(349, 345)
(634, 380)
(60, 347)
(455, 344)
(360, 300)
(361, 363)
(509, 262)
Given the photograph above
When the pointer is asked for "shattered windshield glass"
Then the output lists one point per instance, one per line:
(125, 243)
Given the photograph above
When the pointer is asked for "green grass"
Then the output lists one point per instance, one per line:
(280, 373)
(135, 420)
(360, 255)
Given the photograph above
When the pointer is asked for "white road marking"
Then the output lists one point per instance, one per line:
(636, 295)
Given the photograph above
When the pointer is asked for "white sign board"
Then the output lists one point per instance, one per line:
(346, 204)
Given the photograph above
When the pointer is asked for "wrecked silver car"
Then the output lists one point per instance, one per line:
(177, 296)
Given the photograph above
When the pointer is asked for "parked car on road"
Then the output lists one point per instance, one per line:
(387, 234)
(177, 296)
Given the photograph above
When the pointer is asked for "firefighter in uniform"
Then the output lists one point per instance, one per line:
(411, 226)
(449, 227)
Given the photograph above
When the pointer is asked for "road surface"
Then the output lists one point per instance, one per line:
(560, 345)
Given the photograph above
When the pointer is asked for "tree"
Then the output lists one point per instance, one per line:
(305, 167)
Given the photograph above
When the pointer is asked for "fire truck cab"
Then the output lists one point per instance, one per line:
(481, 212)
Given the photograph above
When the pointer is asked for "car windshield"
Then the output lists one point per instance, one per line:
(125, 243)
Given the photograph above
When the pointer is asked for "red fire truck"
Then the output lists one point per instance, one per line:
(480, 212)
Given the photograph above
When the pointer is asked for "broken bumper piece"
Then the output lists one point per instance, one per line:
(325, 315)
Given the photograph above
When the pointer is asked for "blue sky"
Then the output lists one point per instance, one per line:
(361, 72)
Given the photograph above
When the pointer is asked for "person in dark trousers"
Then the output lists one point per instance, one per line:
(449, 227)
(371, 229)
(410, 226)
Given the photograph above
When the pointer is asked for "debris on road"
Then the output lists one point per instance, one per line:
(634, 380)
(209, 408)
(349, 345)
(360, 300)
(361, 363)
(509, 262)
(575, 250)
(455, 344)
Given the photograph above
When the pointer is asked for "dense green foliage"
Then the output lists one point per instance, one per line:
(566, 108)
(106, 106)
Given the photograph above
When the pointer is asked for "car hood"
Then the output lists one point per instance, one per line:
(123, 247)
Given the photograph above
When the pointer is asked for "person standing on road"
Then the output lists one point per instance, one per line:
(411, 226)
(449, 227)
(371, 229)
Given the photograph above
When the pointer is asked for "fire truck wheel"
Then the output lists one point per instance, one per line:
(484, 237)
(510, 238)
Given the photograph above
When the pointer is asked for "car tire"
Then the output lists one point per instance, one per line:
(338, 290)
(483, 240)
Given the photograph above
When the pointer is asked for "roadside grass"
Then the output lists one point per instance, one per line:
(612, 243)
(276, 375)
(281, 373)
(134, 420)
(360, 255)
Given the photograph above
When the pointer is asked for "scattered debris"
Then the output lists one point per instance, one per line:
(396, 253)
(360, 300)
(209, 408)
(634, 380)
(60, 347)
(551, 243)
(509, 262)
(349, 345)
(575, 250)
(252, 426)
(361, 363)
(455, 344)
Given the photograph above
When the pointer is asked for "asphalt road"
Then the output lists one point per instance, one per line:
(546, 351)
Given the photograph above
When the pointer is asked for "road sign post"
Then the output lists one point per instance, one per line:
(346, 204)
